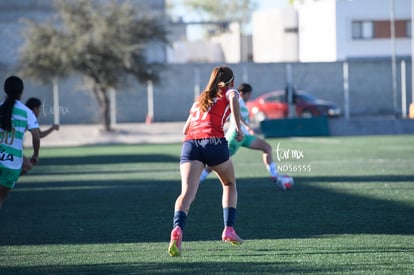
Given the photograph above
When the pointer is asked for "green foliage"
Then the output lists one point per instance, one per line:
(105, 42)
(223, 10)
(110, 39)
(108, 210)
(46, 53)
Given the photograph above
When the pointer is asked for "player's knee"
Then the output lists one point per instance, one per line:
(228, 183)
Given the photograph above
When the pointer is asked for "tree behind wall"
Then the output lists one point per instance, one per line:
(105, 42)
(222, 11)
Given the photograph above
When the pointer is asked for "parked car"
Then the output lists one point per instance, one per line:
(273, 105)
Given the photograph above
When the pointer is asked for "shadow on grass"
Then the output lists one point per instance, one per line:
(356, 179)
(178, 267)
(105, 159)
(312, 208)
(141, 211)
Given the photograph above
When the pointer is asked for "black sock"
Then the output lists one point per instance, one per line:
(179, 219)
(229, 216)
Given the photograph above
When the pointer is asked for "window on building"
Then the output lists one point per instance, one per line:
(401, 28)
(356, 30)
(362, 30)
(380, 29)
(291, 30)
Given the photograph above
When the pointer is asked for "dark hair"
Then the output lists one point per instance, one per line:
(221, 76)
(33, 102)
(13, 86)
(245, 88)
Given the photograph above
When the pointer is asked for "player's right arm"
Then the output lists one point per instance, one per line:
(187, 125)
(36, 145)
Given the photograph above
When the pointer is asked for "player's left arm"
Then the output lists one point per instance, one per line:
(33, 127)
(233, 97)
(48, 131)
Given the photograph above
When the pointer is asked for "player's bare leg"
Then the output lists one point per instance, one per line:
(190, 175)
(260, 144)
(225, 173)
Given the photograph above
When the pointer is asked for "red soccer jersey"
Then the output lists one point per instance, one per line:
(210, 124)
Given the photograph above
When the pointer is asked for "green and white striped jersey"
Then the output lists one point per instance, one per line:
(11, 142)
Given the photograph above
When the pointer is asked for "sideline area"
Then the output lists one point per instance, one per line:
(128, 133)
(171, 132)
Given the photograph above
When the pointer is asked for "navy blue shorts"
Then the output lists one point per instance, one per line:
(210, 151)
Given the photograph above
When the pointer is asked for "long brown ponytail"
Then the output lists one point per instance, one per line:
(221, 76)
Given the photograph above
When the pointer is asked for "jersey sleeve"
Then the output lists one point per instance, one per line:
(31, 120)
(229, 91)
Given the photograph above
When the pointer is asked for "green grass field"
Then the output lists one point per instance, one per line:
(108, 210)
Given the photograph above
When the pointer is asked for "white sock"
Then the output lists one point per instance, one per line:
(272, 168)
(204, 175)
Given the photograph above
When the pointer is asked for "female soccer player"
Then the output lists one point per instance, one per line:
(15, 119)
(205, 144)
(34, 104)
(250, 140)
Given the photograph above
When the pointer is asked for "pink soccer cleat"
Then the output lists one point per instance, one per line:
(174, 249)
(229, 235)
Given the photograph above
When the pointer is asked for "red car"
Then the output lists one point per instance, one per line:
(273, 105)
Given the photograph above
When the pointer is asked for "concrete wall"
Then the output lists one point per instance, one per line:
(370, 126)
(370, 89)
